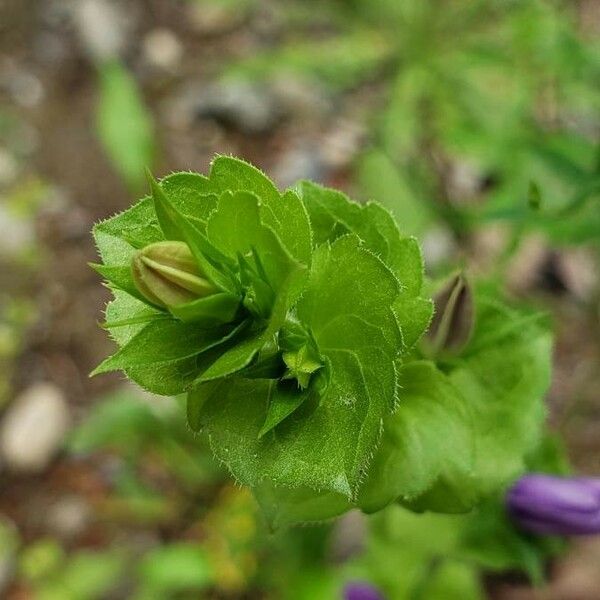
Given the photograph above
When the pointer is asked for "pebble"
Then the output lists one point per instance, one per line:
(102, 28)
(249, 108)
(579, 270)
(439, 248)
(68, 516)
(26, 89)
(302, 98)
(304, 161)
(526, 264)
(17, 235)
(33, 429)
(162, 49)
(464, 182)
(342, 143)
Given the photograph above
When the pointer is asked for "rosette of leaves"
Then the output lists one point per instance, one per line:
(292, 323)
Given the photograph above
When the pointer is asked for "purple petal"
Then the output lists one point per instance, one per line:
(360, 590)
(592, 483)
(547, 493)
(557, 527)
(557, 506)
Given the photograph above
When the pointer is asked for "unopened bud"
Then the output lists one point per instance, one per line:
(301, 364)
(454, 317)
(167, 274)
(550, 505)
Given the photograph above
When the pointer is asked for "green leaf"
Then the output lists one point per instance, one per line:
(234, 360)
(139, 223)
(162, 341)
(284, 214)
(235, 228)
(126, 316)
(414, 315)
(491, 540)
(326, 443)
(428, 439)
(120, 276)
(164, 354)
(327, 208)
(210, 311)
(453, 580)
(421, 544)
(124, 124)
(180, 567)
(172, 225)
(283, 506)
(381, 180)
(334, 214)
(176, 377)
(285, 399)
(504, 382)
(190, 194)
(88, 575)
(118, 421)
(196, 399)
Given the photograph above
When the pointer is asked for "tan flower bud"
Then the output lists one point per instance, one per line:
(167, 274)
(454, 317)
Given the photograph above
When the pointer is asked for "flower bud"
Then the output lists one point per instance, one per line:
(167, 274)
(550, 505)
(360, 590)
(301, 364)
(453, 321)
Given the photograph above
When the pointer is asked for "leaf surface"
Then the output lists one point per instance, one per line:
(357, 335)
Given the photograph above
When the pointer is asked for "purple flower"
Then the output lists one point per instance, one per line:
(360, 590)
(555, 506)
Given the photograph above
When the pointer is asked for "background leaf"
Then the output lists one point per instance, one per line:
(124, 124)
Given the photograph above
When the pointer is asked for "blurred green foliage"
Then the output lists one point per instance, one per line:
(439, 557)
(496, 92)
(226, 548)
(20, 258)
(489, 113)
(148, 436)
(124, 125)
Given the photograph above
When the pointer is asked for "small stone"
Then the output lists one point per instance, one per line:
(302, 98)
(246, 107)
(487, 244)
(162, 49)
(464, 182)
(68, 517)
(526, 264)
(33, 429)
(17, 235)
(342, 144)
(579, 270)
(26, 89)
(102, 28)
(439, 247)
(299, 162)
